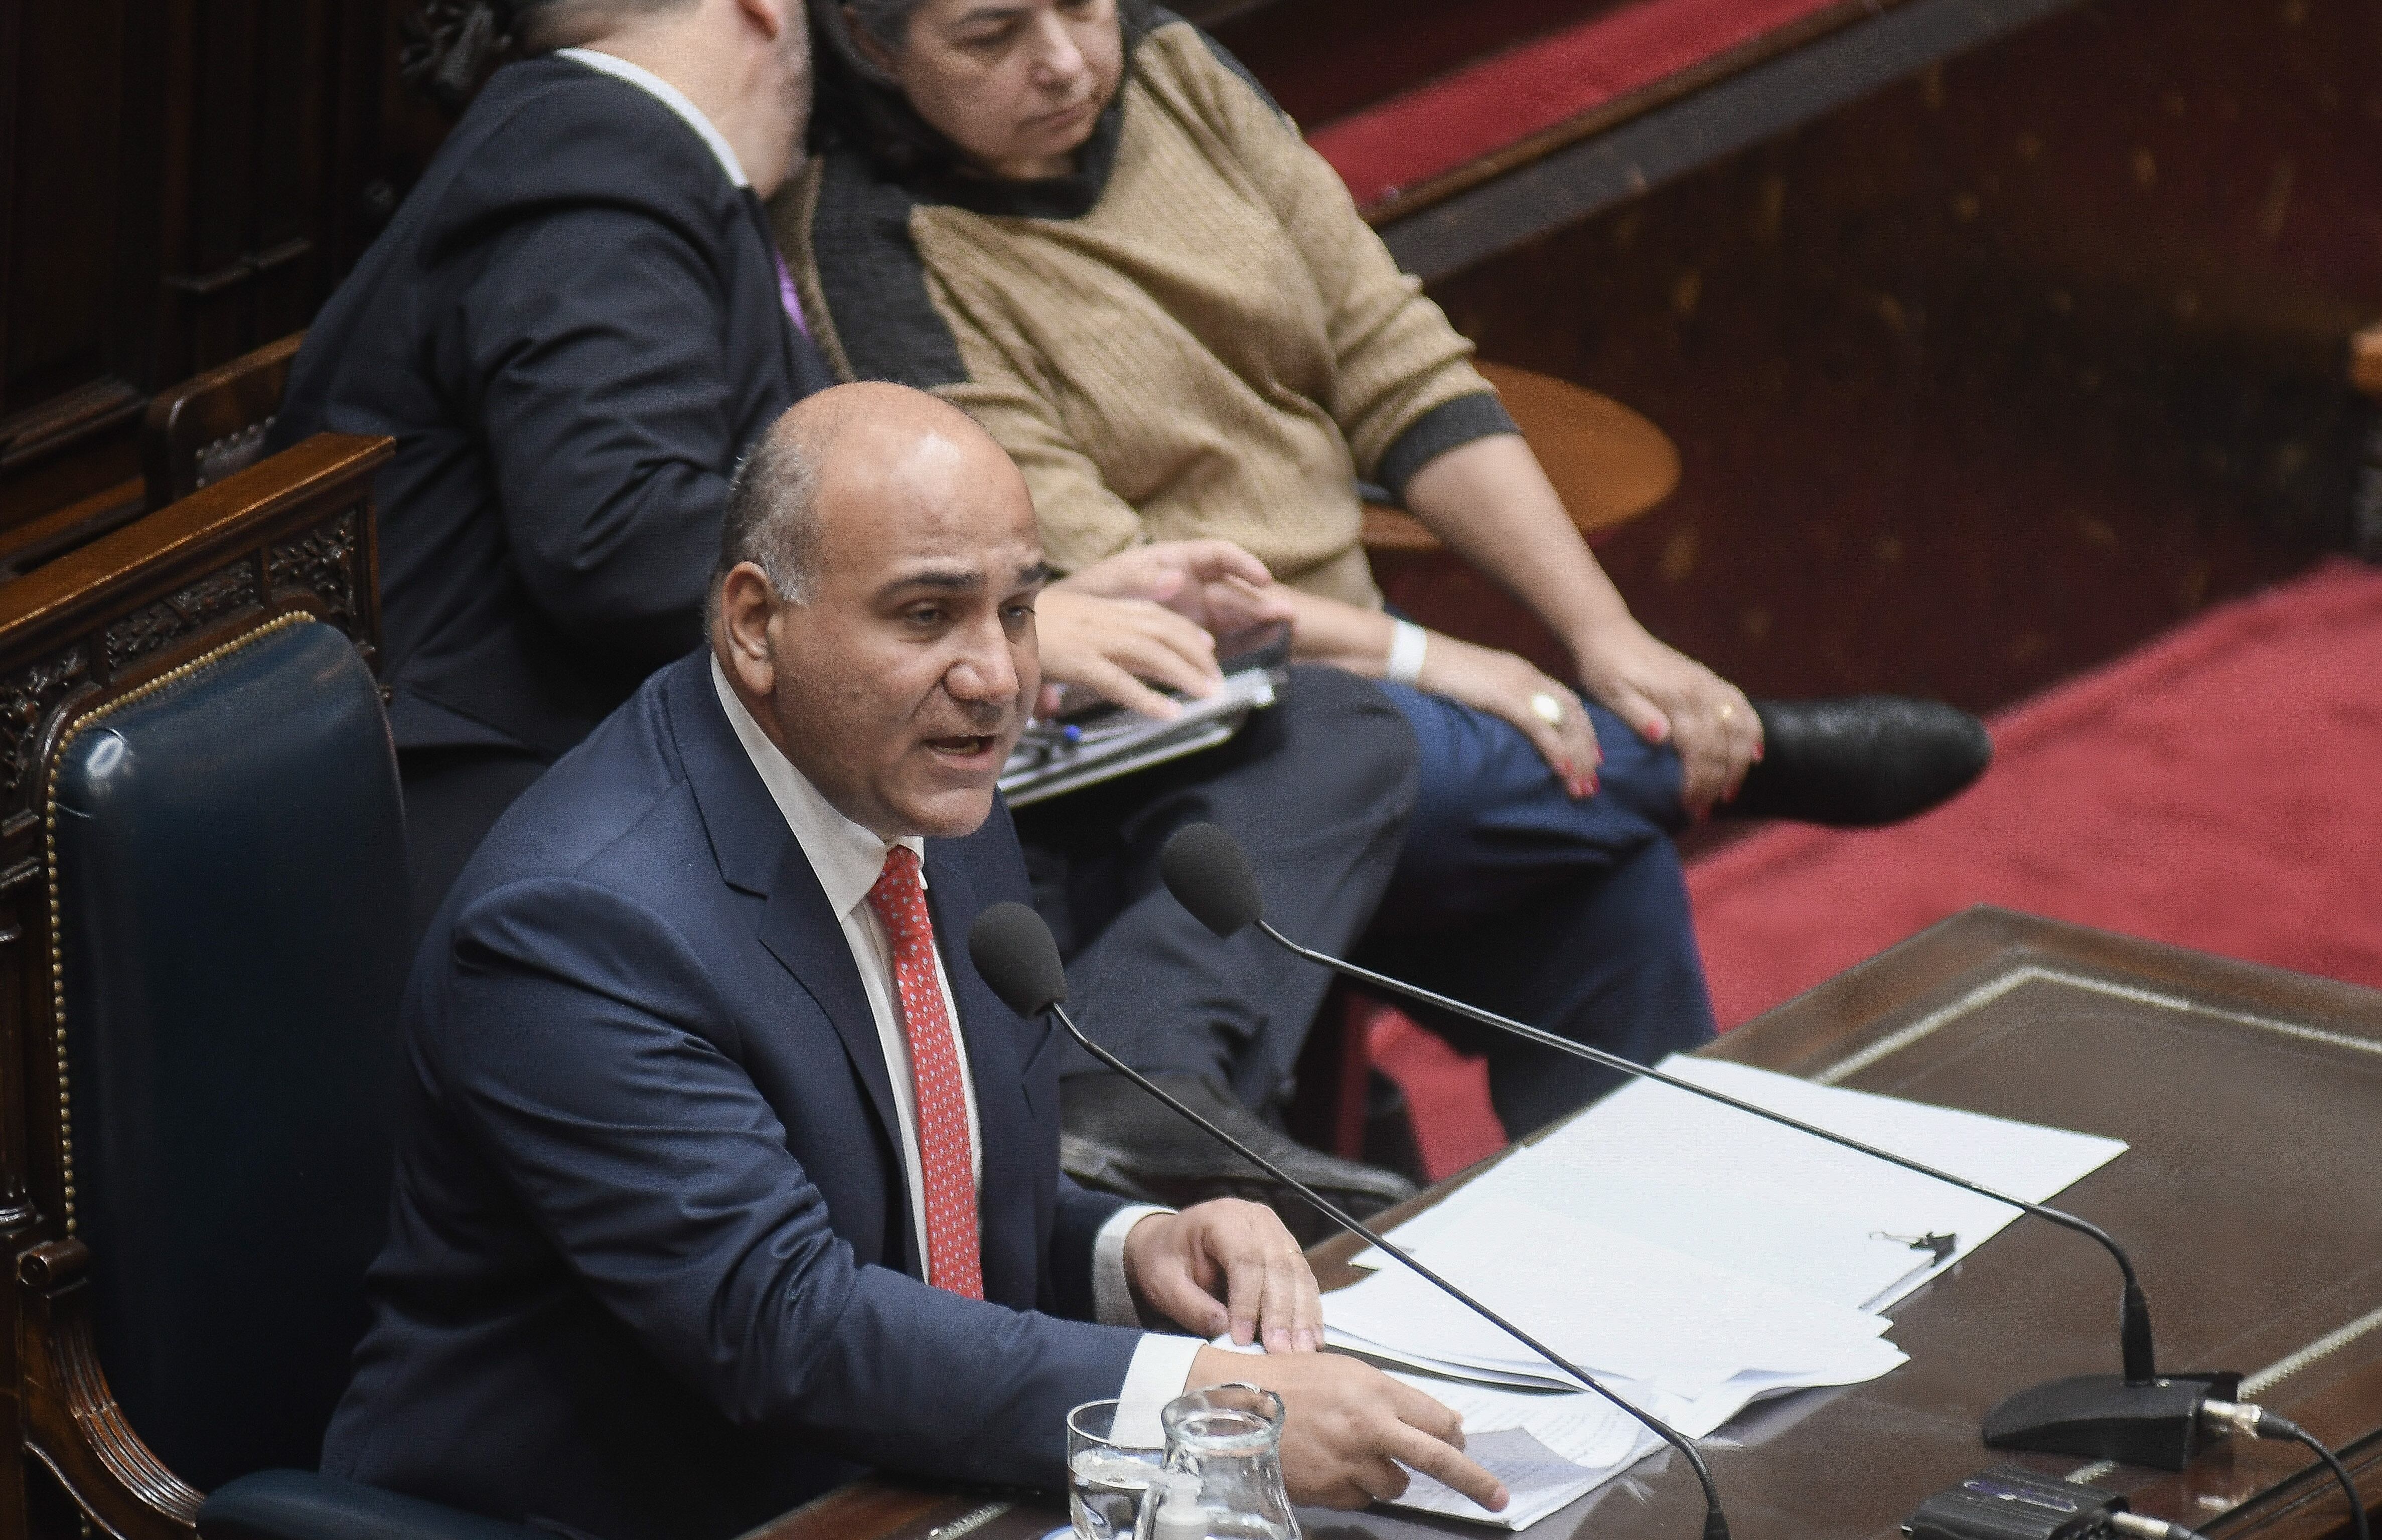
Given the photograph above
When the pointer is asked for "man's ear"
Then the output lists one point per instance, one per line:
(741, 635)
(771, 18)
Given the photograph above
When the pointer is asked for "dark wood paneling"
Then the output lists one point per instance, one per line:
(1993, 374)
(259, 177)
(180, 181)
(71, 151)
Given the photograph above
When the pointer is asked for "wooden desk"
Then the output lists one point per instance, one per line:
(2251, 1199)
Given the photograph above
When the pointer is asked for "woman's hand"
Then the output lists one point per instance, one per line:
(1491, 502)
(1213, 584)
(1669, 696)
(1513, 688)
(1109, 646)
(1153, 613)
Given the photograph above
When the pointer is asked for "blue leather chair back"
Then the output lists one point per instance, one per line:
(231, 877)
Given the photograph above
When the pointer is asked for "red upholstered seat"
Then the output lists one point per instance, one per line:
(1500, 102)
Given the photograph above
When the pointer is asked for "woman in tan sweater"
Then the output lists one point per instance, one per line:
(1087, 226)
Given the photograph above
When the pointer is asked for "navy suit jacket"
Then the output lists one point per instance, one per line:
(651, 1268)
(572, 329)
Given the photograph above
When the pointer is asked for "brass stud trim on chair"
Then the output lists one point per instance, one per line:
(73, 730)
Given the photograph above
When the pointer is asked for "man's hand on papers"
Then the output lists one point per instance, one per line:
(1224, 1267)
(1349, 1431)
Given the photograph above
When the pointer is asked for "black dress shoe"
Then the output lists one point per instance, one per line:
(1115, 1137)
(1861, 761)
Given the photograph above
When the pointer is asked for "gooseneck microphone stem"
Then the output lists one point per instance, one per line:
(1715, 1522)
(2134, 1317)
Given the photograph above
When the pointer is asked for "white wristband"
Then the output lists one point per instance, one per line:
(1408, 644)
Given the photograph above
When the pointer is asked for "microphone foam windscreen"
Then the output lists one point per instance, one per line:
(1206, 872)
(1011, 948)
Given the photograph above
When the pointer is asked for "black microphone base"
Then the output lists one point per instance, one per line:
(2102, 1417)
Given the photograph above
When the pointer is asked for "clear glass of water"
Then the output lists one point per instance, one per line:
(1105, 1479)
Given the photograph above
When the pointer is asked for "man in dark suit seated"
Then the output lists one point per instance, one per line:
(721, 1174)
(574, 326)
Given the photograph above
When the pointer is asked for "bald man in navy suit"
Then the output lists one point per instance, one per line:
(721, 1174)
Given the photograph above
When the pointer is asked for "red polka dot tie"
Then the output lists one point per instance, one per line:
(938, 1098)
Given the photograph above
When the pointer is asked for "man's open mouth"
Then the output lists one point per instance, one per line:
(963, 746)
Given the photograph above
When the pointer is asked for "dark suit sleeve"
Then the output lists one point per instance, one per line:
(581, 1046)
(998, 865)
(595, 339)
(1074, 1234)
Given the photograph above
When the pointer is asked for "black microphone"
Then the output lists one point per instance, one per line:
(1012, 951)
(2140, 1417)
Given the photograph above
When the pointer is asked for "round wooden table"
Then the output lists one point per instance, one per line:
(1607, 463)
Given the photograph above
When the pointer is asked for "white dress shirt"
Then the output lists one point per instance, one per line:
(847, 858)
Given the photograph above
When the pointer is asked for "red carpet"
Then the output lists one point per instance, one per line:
(1506, 98)
(1447, 1093)
(2219, 789)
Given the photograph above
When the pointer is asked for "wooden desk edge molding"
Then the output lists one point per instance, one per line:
(292, 534)
(1897, 1000)
(1900, 1002)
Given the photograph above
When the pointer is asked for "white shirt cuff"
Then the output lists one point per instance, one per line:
(1111, 1294)
(1161, 1369)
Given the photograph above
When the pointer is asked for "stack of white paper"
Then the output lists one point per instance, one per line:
(1609, 1301)
(1547, 1447)
(1692, 1257)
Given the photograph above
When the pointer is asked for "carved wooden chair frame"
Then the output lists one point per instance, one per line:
(223, 414)
(290, 536)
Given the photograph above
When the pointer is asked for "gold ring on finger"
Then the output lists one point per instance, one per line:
(1728, 710)
(1547, 708)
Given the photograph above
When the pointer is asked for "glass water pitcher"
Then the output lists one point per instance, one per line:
(1230, 1437)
